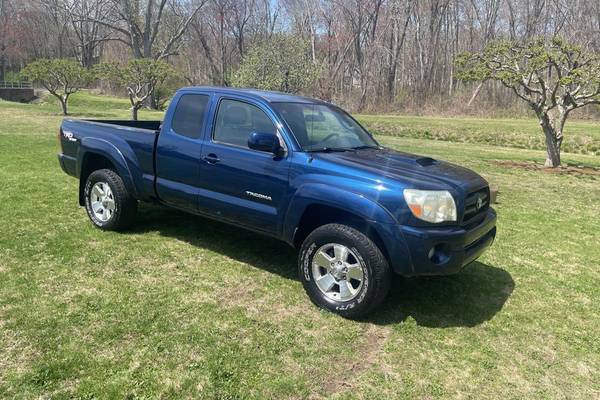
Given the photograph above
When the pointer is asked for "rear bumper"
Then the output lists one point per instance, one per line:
(445, 250)
(68, 164)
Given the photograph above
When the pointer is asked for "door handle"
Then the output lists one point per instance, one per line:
(211, 158)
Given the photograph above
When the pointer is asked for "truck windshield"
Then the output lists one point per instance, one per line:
(320, 127)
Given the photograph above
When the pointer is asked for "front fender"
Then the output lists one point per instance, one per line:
(377, 217)
(124, 160)
(323, 194)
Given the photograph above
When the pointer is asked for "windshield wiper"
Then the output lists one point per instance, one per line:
(365, 147)
(330, 149)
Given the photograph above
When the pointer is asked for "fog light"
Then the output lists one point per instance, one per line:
(438, 254)
(431, 253)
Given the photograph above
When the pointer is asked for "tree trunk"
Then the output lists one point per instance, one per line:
(152, 100)
(2, 50)
(553, 150)
(552, 143)
(63, 104)
(87, 56)
(134, 113)
(475, 93)
(2, 64)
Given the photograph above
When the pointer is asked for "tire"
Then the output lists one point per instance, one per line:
(322, 254)
(119, 207)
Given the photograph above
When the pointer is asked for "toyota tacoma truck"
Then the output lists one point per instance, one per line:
(294, 168)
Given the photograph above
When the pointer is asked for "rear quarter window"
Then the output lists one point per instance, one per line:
(189, 115)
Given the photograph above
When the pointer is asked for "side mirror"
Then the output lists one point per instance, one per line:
(267, 142)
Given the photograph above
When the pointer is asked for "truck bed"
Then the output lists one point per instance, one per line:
(133, 142)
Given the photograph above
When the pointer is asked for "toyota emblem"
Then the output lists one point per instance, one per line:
(479, 203)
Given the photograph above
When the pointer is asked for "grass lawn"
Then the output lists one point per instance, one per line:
(184, 307)
(580, 136)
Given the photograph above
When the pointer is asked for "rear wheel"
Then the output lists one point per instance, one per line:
(343, 271)
(108, 203)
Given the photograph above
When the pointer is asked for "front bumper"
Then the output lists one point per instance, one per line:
(445, 250)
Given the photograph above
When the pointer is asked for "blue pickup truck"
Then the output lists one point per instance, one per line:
(294, 168)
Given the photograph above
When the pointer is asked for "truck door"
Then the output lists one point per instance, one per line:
(178, 151)
(245, 186)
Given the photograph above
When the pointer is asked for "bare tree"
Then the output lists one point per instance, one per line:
(88, 33)
(212, 32)
(2, 44)
(54, 11)
(375, 54)
(267, 16)
(142, 25)
(240, 14)
(400, 18)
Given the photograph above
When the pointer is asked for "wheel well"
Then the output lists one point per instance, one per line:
(91, 162)
(317, 215)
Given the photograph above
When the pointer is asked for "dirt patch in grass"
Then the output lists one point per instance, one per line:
(569, 169)
(366, 355)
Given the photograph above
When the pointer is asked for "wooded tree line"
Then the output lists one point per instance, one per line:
(384, 54)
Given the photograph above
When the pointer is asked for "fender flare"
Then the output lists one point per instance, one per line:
(323, 194)
(377, 217)
(126, 170)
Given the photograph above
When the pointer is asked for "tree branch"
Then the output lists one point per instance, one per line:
(167, 49)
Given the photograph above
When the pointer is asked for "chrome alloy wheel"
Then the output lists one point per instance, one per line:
(102, 201)
(337, 271)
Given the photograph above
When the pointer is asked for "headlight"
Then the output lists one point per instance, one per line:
(431, 205)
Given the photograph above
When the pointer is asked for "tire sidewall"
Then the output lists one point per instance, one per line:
(95, 177)
(308, 250)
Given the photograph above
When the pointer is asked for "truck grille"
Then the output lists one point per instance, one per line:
(476, 204)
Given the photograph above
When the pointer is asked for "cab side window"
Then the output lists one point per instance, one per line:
(236, 120)
(189, 115)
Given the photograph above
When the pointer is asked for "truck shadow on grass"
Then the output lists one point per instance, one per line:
(466, 299)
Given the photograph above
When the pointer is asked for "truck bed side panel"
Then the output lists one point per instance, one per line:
(129, 149)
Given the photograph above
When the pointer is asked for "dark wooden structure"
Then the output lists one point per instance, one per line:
(21, 92)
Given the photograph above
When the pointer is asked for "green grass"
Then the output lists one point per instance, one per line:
(181, 307)
(581, 137)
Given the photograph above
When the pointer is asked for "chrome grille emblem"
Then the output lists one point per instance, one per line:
(479, 203)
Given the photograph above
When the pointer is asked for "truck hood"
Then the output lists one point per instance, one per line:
(407, 169)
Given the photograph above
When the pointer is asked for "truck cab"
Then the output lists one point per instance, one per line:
(294, 168)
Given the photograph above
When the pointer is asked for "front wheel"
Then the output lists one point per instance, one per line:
(343, 271)
(108, 203)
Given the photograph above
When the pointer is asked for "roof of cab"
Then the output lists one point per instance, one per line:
(269, 96)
